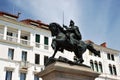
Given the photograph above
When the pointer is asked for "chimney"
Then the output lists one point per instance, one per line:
(88, 41)
(39, 21)
(18, 14)
(104, 44)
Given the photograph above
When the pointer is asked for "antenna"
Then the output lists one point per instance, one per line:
(18, 14)
(13, 10)
(63, 17)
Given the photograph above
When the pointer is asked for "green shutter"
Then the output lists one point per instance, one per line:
(37, 39)
(46, 40)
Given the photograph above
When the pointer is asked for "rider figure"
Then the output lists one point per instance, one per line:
(73, 34)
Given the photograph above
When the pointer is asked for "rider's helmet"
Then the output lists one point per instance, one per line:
(72, 23)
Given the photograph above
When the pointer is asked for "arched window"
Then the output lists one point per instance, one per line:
(108, 56)
(114, 70)
(112, 57)
(96, 66)
(110, 69)
(91, 64)
(100, 67)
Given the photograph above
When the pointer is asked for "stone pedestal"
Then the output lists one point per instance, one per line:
(64, 71)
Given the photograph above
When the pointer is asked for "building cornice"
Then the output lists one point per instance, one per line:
(22, 24)
(105, 49)
(35, 23)
(15, 43)
(18, 62)
(8, 14)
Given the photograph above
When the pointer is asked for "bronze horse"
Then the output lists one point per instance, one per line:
(60, 42)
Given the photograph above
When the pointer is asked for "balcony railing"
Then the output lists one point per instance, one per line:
(15, 39)
(46, 47)
(25, 42)
(37, 45)
(11, 39)
(24, 64)
(1, 36)
(43, 46)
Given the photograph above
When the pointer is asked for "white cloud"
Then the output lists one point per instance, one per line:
(91, 16)
(50, 10)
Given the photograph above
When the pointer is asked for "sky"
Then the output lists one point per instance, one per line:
(98, 20)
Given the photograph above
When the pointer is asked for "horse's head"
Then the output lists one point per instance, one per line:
(55, 28)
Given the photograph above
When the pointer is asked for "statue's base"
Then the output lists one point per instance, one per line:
(64, 71)
(64, 60)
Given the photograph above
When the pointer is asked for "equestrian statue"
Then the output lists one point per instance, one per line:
(69, 38)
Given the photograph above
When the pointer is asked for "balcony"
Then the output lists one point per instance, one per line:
(37, 45)
(25, 42)
(11, 39)
(1, 36)
(25, 38)
(42, 46)
(46, 47)
(15, 40)
(24, 64)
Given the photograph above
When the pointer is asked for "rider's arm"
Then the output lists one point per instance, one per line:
(72, 30)
(77, 32)
(65, 26)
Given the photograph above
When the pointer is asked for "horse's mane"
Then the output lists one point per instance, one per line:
(57, 26)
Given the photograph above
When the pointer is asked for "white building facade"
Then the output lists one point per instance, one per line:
(107, 63)
(26, 45)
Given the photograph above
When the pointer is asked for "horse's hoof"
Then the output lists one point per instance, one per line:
(51, 57)
(81, 61)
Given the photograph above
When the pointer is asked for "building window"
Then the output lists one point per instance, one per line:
(45, 59)
(110, 69)
(99, 55)
(8, 75)
(10, 53)
(37, 58)
(37, 38)
(46, 42)
(9, 33)
(24, 56)
(24, 37)
(96, 66)
(110, 56)
(9, 36)
(100, 67)
(91, 64)
(36, 77)
(114, 70)
(22, 76)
